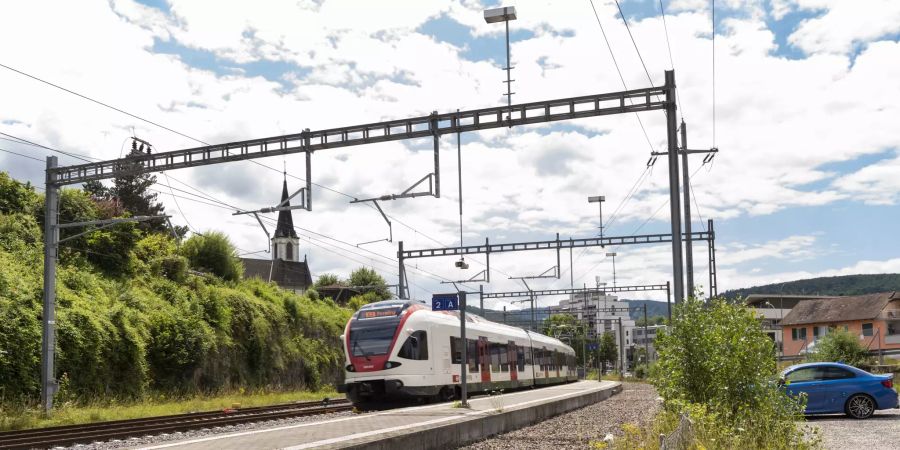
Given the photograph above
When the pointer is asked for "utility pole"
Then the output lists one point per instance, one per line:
(464, 361)
(674, 201)
(688, 246)
(49, 386)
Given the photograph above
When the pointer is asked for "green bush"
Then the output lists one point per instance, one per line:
(213, 252)
(839, 346)
(132, 323)
(716, 364)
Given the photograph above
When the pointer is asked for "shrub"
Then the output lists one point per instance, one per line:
(213, 252)
(839, 345)
(716, 365)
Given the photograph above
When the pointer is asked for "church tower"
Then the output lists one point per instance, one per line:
(285, 243)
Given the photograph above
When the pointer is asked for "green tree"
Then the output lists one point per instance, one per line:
(716, 363)
(17, 197)
(608, 349)
(839, 345)
(213, 252)
(366, 280)
(328, 279)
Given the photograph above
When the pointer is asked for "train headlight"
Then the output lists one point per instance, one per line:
(350, 368)
(391, 364)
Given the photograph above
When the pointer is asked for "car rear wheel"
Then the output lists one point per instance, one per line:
(860, 406)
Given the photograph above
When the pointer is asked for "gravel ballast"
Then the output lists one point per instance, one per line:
(636, 404)
(145, 441)
(881, 431)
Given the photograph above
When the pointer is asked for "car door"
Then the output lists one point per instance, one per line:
(837, 385)
(808, 381)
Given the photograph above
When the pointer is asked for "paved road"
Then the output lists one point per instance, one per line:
(881, 431)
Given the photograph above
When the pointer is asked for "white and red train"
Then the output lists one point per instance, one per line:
(401, 348)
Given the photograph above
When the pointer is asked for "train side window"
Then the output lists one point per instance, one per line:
(415, 347)
(495, 357)
(504, 357)
(520, 358)
(472, 355)
(528, 356)
(455, 350)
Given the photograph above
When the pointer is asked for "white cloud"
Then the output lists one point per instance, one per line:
(845, 24)
(778, 120)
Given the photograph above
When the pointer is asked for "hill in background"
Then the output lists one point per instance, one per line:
(842, 285)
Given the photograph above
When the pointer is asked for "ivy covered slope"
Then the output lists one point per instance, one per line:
(137, 314)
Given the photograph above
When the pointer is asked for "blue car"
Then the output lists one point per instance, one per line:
(838, 388)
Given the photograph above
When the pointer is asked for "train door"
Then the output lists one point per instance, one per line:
(484, 358)
(511, 356)
(545, 361)
(557, 359)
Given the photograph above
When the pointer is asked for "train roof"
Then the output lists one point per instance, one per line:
(470, 318)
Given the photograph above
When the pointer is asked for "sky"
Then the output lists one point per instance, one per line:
(800, 97)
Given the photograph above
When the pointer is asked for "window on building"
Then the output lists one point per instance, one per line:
(868, 329)
(415, 347)
(798, 334)
(289, 252)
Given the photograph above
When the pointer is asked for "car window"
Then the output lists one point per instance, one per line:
(804, 374)
(837, 373)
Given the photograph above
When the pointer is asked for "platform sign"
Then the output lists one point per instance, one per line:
(445, 302)
(593, 346)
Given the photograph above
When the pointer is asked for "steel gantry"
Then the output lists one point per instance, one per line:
(433, 125)
(559, 244)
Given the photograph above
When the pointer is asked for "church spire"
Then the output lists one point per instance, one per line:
(285, 226)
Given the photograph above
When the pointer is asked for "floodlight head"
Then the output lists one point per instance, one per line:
(503, 14)
(596, 199)
(612, 254)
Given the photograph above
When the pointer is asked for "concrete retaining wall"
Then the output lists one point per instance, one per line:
(475, 428)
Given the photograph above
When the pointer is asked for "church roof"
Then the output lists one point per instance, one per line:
(287, 274)
(285, 226)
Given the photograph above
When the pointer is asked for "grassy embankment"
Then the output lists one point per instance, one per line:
(69, 414)
(142, 320)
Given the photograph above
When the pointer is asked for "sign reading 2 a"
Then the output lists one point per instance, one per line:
(445, 302)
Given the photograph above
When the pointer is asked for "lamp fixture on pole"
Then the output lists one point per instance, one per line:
(613, 255)
(599, 199)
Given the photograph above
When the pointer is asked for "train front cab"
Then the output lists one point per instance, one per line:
(387, 354)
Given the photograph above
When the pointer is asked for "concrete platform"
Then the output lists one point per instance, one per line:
(438, 426)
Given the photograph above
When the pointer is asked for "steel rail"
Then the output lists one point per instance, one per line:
(121, 429)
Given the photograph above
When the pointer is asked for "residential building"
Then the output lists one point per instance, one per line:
(874, 318)
(772, 308)
(285, 268)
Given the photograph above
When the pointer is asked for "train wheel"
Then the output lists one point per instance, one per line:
(446, 394)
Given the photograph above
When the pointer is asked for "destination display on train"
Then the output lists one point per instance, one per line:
(371, 314)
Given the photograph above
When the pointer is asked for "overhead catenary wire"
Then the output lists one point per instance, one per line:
(622, 78)
(669, 47)
(225, 205)
(22, 155)
(57, 86)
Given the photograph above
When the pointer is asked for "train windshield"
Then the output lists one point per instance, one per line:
(372, 331)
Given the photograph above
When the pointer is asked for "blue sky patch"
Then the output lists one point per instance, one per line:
(162, 5)
(484, 48)
(271, 70)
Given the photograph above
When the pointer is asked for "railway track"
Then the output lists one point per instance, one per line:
(124, 429)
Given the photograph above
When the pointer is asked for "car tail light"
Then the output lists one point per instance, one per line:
(889, 383)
